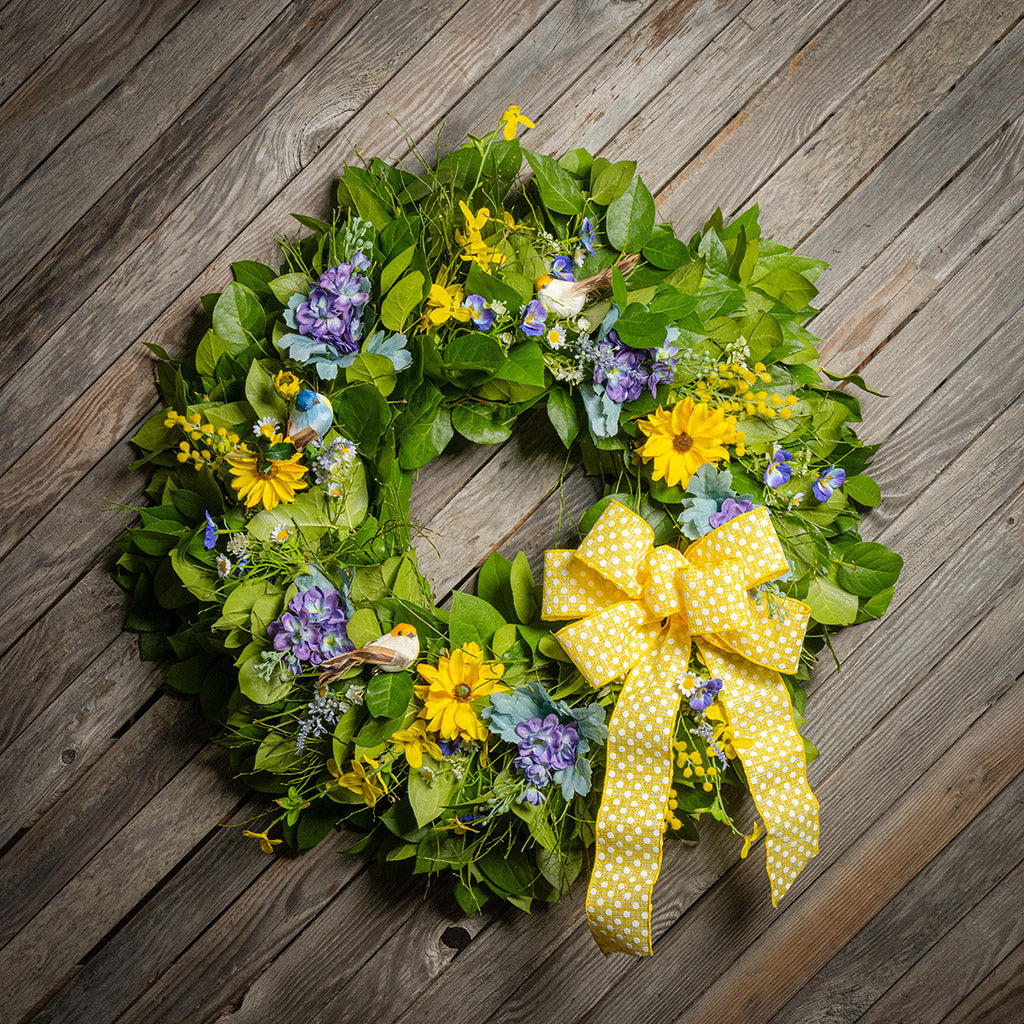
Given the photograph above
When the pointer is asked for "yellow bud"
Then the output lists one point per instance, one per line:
(790, 399)
(751, 408)
(707, 787)
(776, 400)
(184, 446)
(195, 418)
(785, 414)
(759, 367)
(699, 771)
(687, 773)
(206, 453)
(183, 456)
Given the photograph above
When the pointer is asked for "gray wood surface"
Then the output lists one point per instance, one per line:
(148, 146)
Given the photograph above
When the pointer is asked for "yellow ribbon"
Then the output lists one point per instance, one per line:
(639, 607)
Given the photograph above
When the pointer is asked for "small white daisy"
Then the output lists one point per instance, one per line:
(280, 533)
(224, 566)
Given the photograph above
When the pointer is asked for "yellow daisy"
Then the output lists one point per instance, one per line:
(683, 439)
(512, 119)
(266, 843)
(369, 785)
(451, 688)
(271, 481)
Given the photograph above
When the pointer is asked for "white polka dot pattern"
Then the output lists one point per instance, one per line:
(759, 709)
(637, 607)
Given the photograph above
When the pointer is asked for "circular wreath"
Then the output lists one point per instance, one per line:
(275, 566)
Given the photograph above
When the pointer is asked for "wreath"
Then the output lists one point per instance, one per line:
(275, 567)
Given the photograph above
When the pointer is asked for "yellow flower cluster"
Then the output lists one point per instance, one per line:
(477, 250)
(206, 445)
(671, 818)
(693, 764)
(736, 383)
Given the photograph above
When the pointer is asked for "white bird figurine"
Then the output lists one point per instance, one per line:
(392, 652)
(567, 298)
(312, 416)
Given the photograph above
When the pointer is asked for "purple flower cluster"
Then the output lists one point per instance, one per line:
(731, 508)
(312, 629)
(331, 314)
(625, 372)
(545, 746)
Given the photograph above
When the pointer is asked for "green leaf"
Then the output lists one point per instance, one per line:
(557, 188)
(429, 797)
(612, 181)
(863, 490)
(875, 607)
(469, 352)
(403, 298)
(537, 821)
(363, 627)
(472, 620)
(424, 437)
(577, 162)
(478, 425)
(829, 603)
(238, 316)
(630, 218)
(388, 694)
(260, 393)
(852, 378)
(276, 754)
(562, 413)
(791, 289)
(366, 203)
(523, 589)
(261, 690)
(362, 414)
(396, 268)
(867, 568)
(153, 435)
(494, 584)
(640, 327)
(255, 276)
(287, 285)
(209, 353)
(374, 369)
(525, 365)
(664, 250)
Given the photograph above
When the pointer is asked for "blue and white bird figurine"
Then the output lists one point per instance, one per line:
(312, 416)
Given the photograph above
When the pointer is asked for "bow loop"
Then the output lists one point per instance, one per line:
(618, 547)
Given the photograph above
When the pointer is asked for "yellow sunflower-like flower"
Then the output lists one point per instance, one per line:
(683, 439)
(452, 686)
(287, 385)
(271, 481)
(414, 743)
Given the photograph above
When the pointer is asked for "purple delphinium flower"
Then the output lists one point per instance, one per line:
(312, 629)
(619, 368)
(533, 319)
(331, 313)
(704, 696)
(731, 508)
(561, 268)
(832, 478)
(209, 533)
(483, 316)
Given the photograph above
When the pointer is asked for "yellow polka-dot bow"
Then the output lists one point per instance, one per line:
(639, 608)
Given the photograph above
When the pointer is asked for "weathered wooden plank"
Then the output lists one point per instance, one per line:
(964, 216)
(72, 733)
(979, 299)
(142, 761)
(29, 31)
(999, 999)
(192, 147)
(989, 96)
(122, 127)
(343, 912)
(941, 978)
(932, 905)
(848, 146)
(71, 82)
(814, 88)
(223, 870)
(57, 649)
(120, 875)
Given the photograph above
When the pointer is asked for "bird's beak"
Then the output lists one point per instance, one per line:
(543, 281)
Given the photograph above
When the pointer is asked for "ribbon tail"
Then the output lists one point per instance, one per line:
(760, 710)
(631, 821)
